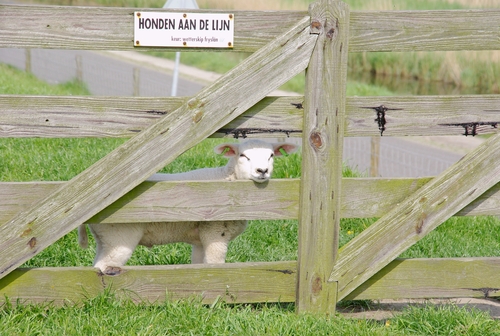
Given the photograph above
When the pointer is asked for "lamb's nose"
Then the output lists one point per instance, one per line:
(262, 171)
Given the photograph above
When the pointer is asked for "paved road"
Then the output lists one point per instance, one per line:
(104, 75)
(112, 73)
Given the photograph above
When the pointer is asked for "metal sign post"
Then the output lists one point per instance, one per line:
(189, 4)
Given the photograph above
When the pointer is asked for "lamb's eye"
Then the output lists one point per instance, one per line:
(243, 155)
(272, 155)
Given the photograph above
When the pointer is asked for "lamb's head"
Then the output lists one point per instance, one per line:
(254, 159)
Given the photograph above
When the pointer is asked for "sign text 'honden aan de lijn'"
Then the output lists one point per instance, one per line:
(199, 30)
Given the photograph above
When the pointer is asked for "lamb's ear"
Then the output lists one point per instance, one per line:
(281, 149)
(228, 150)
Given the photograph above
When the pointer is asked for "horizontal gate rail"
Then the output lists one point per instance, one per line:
(152, 201)
(112, 28)
(252, 282)
(59, 116)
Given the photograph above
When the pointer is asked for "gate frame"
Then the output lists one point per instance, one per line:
(318, 44)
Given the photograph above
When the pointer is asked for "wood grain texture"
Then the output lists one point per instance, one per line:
(424, 115)
(322, 146)
(204, 201)
(71, 116)
(58, 116)
(251, 282)
(173, 201)
(424, 30)
(433, 278)
(152, 202)
(76, 201)
(91, 28)
(112, 28)
(234, 283)
(417, 215)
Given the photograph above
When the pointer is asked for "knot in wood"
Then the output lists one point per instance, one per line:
(331, 33)
(316, 286)
(32, 243)
(193, 103)
(198, 116)
(316, 27)
(26, 232)
(315, 140)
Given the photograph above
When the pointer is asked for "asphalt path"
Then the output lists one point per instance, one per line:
(103, 74)
(114, 74)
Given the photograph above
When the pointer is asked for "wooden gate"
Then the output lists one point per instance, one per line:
(283, 44)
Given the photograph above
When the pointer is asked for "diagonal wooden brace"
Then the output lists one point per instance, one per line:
(418, 215)
(75, 202)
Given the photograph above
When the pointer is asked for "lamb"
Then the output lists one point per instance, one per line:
(250, 160)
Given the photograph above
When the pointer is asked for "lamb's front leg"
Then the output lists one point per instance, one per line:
(115, 244)
(215, 252)
(197, 254)
(214, 237)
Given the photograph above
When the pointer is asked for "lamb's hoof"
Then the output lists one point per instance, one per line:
(112, 270)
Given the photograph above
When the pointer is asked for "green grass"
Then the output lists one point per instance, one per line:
(444, 320)
(106, 315)
(109, 315)
(12, 81)
(50, 159)
(277, 4)
(420, 71)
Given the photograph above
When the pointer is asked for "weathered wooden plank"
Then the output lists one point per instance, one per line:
(152, 202)
(417, 215)
(55, 116)
(172, 201)
(320, 189)
(204, 201)
(424, 30)
(127, 166)
(251, 282)
(423, 115)
(433, 278)
(374, 197)
(271, 117)
(112, 28)
(234, 283)
(71, 116)
(109, 28)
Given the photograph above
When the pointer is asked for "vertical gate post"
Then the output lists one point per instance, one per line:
(323, 132)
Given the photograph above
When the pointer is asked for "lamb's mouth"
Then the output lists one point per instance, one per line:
(260, 178)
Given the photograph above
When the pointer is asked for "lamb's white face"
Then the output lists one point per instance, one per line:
(254, 159)
(255, 164)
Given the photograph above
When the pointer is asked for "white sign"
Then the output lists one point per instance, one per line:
(198, 30)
